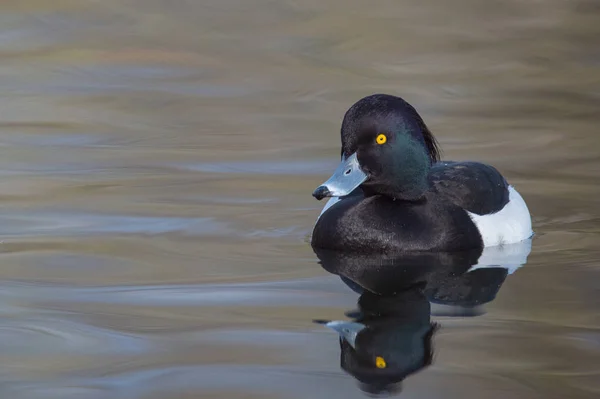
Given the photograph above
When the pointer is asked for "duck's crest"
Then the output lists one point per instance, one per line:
(433, 148)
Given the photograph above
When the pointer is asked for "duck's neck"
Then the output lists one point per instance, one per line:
(414, 192)
(406, 179)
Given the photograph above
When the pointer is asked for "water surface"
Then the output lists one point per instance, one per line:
(157, 160)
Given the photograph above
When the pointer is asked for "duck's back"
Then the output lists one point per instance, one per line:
(473, 186)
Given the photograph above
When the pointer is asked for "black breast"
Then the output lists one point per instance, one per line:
(380, 224)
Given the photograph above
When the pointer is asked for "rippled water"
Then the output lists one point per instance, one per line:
(157, 160)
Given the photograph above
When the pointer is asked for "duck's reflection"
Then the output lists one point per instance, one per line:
(390, 335)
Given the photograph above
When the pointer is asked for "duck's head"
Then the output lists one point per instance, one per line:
(386, 149)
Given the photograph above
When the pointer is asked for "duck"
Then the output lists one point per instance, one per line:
(391, 192)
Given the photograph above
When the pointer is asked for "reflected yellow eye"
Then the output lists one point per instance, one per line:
(381, 139)
(379, 362)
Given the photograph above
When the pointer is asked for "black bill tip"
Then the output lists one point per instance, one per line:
(321, 192)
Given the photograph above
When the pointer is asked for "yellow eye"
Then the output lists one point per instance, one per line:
(379, 362)
(381, 139)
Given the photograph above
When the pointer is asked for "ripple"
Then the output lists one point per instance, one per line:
(52, 336)
(312, 167)
(318, 292)
(57, 140)
(52, 224)
(250, 379)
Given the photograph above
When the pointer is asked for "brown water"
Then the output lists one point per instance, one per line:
(157, 160)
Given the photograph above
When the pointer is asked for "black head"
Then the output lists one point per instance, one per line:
(386, 149)
(383, 113)
(394, 147)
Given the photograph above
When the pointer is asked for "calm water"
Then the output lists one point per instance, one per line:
(157, 160)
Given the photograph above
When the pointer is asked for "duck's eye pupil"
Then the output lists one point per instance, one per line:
(381, 139)
(348, 172)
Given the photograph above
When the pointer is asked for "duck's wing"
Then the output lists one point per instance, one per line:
(475, 187)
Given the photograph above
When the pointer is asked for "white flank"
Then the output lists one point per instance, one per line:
(510, 225)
